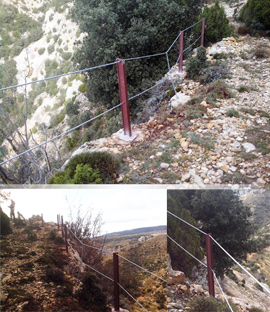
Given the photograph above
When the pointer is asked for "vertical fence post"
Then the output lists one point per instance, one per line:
(181, 47)
(42, 219)
(58, 222)
(116, 281)
(209, 255)
(62, 226)
(65, 227)
(122, 82)
(202, 32)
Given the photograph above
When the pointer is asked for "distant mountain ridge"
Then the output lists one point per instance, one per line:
(139, 231)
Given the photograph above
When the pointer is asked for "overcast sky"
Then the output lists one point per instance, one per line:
(121, 209)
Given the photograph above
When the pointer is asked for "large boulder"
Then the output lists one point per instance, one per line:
(175, 277)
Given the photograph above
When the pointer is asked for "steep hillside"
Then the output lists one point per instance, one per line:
(33, 270)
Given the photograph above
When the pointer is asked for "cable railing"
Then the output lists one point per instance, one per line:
(209, 266)
(65, 229)
(124, 100)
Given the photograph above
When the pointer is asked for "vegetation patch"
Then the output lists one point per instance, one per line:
(202, 304)
(93, 167)
(260, 138)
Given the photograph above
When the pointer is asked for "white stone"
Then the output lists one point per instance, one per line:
(164, 165)
(159, 180)
(249, 147)
(185, 177)
(179, 99)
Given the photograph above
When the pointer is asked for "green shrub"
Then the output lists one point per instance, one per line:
(214, 73)
(255, 14)
(85, 116)
(232, 113)
(219, 88)
(57, 119)
(66, 55)
(73, 121)
(100, 167)
(92, 295)
(55, 275)
(196, 65)
(83, 174)
(83, 88)
(73, 141)
(216, 24)
(5, 224)
(104, 161)
(41, 51)
(50, 48)
(203, 304)
(72, 108)
(133, 27)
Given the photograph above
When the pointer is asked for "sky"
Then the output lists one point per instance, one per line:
(121, 209)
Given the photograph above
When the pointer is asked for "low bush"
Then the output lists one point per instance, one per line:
(96, 167)
(83, 174)
(41, 51)
(232, 113)
(196, 65)
(92, 295)
(73, 141)
(214, 73)
(55, 275)
(50, 48)
(203, 304)
(105, 162)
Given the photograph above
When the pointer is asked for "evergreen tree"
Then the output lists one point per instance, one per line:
(178, 204)
(222, 214)
(125, 29)
(216, 24)
(256, 14)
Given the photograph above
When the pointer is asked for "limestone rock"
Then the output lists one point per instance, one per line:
(175, 277)
(179, 99)
(249, 147)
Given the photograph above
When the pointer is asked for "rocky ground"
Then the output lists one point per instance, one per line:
(241, 290)
(204, 142)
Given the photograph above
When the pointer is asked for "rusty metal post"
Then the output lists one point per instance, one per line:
(62, 226)
(122, 82)
(209, 256)
(58, 222)
(116, 282)
(181, 47)
(202, 32)
(65, 227)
